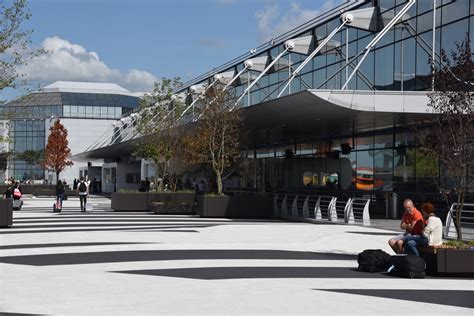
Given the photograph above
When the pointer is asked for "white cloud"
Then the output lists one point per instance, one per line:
(71, 62)
(272, 22)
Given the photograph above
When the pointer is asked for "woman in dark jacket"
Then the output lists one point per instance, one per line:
(59, 192)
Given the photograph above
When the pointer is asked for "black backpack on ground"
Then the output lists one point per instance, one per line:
(374, 260)
(408, 266)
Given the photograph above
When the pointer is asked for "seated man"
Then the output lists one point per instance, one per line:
(412, 223)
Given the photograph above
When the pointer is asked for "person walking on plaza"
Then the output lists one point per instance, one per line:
(83, 191)
(59, 192)
(432, 234)
(412, 224)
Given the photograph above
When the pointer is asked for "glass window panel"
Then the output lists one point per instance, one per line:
(118, 111)
(426, 169)
(424, 6)
(74, 110)
(296, 84)
(384, 68)
(404, 171)
(383, 141)
(103, 111)
(365, 170)
(405, 72)
(96, 111)
(386, 4)
(81, 110)
(423, 67)
(453, 33)
(366, 142)
(367, 71)
(89, 111)
(455, 10)
(308, 80)
(383, 168)
(471, 31)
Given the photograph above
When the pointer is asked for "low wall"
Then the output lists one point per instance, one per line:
(38, 189)
(141, 201)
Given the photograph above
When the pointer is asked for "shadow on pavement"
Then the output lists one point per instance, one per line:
(152, 255)
(443, 297)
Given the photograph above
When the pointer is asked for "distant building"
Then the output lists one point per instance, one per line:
(86, 109)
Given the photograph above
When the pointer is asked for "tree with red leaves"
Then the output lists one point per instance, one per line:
(57, 151)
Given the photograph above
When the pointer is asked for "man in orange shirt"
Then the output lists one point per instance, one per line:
(412, 223)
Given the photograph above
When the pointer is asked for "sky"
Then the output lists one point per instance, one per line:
(136, 42)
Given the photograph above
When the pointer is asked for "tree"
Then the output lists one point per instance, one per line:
(449, 136)
(57, 152)
(216, 138)
(15, 49)
(158, 125)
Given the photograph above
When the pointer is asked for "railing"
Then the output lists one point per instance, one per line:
(322, 208)
(467, 222)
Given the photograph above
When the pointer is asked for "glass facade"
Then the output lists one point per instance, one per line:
(400, 60)
(27, 135)
(28, 115)
(382, 158)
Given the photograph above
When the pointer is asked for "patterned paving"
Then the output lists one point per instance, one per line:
(101, 263)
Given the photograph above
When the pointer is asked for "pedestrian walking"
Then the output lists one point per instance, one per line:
(83, 192)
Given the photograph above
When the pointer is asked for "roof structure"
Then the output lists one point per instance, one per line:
(86, 87)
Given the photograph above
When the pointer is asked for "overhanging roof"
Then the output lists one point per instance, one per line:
(310, 113)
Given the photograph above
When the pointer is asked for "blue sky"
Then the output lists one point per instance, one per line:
(135, 42)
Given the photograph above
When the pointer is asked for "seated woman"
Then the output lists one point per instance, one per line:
(432, 234)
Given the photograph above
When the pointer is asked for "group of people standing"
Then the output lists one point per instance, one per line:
(420, 229)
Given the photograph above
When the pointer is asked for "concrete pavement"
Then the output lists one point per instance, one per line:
(103, 263)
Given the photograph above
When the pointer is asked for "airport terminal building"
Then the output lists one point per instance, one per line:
(330, 98)
(86, 110)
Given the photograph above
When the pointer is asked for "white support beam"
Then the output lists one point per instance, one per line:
(377, 38)
(346, 20)
(289, 45)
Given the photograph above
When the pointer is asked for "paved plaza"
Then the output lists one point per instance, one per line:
(104, 263)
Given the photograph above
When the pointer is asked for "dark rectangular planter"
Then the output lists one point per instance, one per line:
(159, 197)
(133, 202)
(185, 197)
(250, 206)
(171, 208)
(6, 212)
(141, 201)
(212, 206)
(449, 261)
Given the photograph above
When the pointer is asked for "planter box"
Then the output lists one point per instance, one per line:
(250, 206)
(239, 206)
(171, 208)
(6, 212)
(142, 201)
(448, 261)
(134, 202)
(212, 206)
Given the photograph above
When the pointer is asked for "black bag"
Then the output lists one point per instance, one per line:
(82, 187)
(374, 260)
(408, 266)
